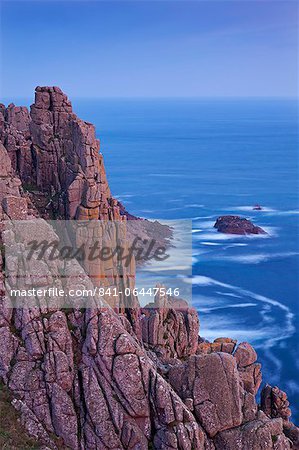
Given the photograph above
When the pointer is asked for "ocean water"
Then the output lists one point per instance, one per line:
(175, 159)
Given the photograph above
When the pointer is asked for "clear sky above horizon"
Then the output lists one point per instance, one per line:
(150, 48)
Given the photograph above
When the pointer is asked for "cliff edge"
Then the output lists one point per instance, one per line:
(102, 378)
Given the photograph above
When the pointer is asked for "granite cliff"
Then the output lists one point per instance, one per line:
(125, 378)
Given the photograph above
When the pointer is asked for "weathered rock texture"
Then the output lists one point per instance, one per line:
(55, 152)
(274, 403)
(170, 328)
(125, 379)
(237, 225)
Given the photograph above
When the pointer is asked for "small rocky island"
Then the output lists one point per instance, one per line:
(257, 207)
(237, 225)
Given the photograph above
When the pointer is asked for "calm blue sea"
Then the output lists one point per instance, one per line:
(176, 159)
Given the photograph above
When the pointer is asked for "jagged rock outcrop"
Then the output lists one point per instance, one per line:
(274, 403)
(57, 153)
(170, 328)
(97, 378)
(57, 158)
(237, 225)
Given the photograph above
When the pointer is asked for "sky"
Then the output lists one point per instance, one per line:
(150, 48)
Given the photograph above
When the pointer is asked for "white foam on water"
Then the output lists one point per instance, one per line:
(122, 196)
(175, 200)
(235, 305)
(206, 224)
(250, 208)
(168, 268)
(256, 258)
(291, 212)
(197, 257)
(228, 294)
(272, 231)
(199, 252)
(216, 236)
(202, 217)
(293, 386)
(234, 333)
(210, 243)
(236, 244)
(200, 280)
(198, 300)
(272, 334)
(194, 205)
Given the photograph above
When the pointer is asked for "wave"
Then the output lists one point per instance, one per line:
(291, 212)
(271, 334)
(202, 280)
(206, 224)
(216, 236)
(256, 258)
(235, 305)
(202, 217)
(236, 244)
(243, 335)
(228, 294)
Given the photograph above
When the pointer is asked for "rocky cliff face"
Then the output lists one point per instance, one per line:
(99, 378)
(55, 152)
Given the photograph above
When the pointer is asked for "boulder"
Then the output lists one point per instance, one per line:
(260, 434)
(237, 225)
(212, 382)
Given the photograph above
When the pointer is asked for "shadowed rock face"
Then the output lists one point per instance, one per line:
(98, 379)
(237, 225)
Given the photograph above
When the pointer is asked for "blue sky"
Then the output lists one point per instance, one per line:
(150, 48)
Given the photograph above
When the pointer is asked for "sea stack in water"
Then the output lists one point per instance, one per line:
(237, 225)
